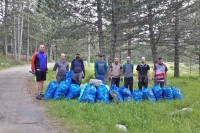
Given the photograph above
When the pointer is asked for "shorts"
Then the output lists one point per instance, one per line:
(40, 75)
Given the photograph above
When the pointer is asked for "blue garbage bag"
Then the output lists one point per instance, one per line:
(102, 93)
(115, 94)
(145, 91)
(51, 88)
(62, 90)
(168, 94)
(148, 94)
(158, 92)
(177, 93)
(137, 95)
(88, 94)
(126, 93)
(74, 91)
(69, 74)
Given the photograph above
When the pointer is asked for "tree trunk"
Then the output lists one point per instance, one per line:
(114, 33)
(88, 51)
(176, 44)
(129, 40)
(151, 32)
(36, 48)
(100, 26)
(5, 29)
(18, 38)
(15, 38)
(129, 49)
(28, 40)
(199, 61)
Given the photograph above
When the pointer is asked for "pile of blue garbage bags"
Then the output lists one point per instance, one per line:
(104, 93)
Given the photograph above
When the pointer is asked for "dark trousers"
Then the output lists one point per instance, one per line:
(60, 78)
(162, 83)
(128, 83)
(115, 81)
(143, 81)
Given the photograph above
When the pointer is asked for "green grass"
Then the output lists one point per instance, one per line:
(5, 64)
(142, 117)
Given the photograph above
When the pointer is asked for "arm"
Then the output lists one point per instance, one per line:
(55, 67)
(67, 68)
(95, 69)
(72, 65)
(148, 72)
(106, 68)
(33, 62)
(46, 64)
(166, 76)
(83, 67)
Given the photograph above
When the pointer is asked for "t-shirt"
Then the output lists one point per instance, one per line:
(160, 70)
(143, 69)
(100, 68)
(62, 67)
(128, 70)
(116, 70)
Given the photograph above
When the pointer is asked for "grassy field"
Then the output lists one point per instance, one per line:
(4, 64)
(159, 117)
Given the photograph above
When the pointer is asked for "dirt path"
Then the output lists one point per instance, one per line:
(18, 111)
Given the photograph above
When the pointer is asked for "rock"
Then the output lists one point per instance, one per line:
(121, 127)
(186, 109)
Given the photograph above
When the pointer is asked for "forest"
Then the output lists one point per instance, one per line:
(115, 28)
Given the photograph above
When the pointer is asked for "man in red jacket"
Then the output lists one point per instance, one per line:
(39, 67)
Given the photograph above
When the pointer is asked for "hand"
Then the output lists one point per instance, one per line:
(83, 76)
(121, 79)
(109, 79)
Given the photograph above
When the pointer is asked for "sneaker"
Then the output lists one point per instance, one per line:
(42, 95)
(39, 97)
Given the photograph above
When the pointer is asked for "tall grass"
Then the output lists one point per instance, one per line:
(160, 117)
(7, 63)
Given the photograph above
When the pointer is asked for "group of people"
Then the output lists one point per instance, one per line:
(115, 73)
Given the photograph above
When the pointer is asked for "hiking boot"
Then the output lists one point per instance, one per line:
(39, 97)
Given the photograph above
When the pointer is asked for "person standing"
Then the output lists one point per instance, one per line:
(160, 73)
(100, 68)
(39, 67)
(128, 74)
(115, 72)
(143, 75)
(77, 66)
(62, 67)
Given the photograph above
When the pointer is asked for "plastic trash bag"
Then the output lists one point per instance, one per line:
(69, 74)
(168, 94)
(158, 92)
(114, 93)
(62, 90)
(88, 94)
(137, 95)
(50, 91)
(144, 91)
(126, 93)
(102, 93)
(177, 93)
(74, 91)
(148, 94)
